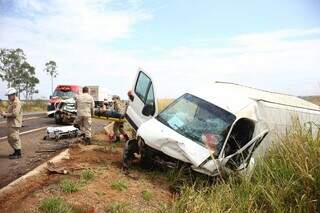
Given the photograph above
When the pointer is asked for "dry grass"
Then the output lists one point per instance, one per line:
(163, 103)
(313, 99)
(288, 180)
(28, 106)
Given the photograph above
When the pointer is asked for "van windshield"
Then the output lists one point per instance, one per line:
(63, 94)
(195, 118)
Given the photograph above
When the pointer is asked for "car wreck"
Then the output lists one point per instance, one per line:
(222, 128)
(65, 111)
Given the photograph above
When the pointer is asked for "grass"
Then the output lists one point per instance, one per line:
(287, 180)
(146, 195)
(313, 99)
(163, 103)
(119, 185)
(69, 186)
(54, 205)
(28, 106)
(117, 207)
(87, 175)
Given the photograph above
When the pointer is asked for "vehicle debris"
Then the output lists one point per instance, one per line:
(62, 132)
(53, 169)
(222, 128)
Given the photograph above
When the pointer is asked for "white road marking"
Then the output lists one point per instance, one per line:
(26, 132)
(25, 119)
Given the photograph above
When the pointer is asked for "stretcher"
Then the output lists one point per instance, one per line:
(110, 115)
(62, 132)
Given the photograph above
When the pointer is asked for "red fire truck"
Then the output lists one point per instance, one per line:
(62, 92)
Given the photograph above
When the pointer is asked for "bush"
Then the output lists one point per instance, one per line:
(287, 180)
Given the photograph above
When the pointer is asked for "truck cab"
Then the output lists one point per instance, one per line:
(62, 92)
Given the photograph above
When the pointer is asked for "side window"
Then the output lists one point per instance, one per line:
(150, 98)
(241, 134)
(142, 86)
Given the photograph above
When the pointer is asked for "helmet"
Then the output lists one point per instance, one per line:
(11, 91)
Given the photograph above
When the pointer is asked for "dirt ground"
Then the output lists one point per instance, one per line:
(110, 190)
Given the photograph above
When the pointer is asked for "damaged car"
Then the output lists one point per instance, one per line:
(218, 129)
(65, 112)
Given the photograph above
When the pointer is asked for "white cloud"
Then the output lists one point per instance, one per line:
(284, 61)
(76, 34)
(79, 36)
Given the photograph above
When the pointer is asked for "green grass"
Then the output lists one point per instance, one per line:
(146, 195)
(287, 180)
(69, 186)
(117, 207)
(54, 205)
(87, 175)
(119, 185)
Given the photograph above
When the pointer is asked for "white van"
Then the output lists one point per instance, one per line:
(240, 121)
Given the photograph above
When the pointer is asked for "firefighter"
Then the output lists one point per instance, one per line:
(85, 110)
(118, 125)
(14, 122)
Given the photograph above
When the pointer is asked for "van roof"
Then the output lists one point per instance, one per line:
(234, 97)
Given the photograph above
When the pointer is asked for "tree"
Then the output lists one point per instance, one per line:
(17, 72)
(30, 87)
(51, 69)
(11, 61)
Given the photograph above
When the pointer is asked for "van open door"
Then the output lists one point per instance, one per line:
(240, 159)
(142, 102)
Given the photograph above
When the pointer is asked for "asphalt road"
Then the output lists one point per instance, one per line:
(35, 150)
(30, 122)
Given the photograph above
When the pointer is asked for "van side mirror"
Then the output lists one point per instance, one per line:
(148, 110)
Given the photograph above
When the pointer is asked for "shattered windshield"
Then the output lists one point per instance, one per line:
(63, 94)
(195, 118)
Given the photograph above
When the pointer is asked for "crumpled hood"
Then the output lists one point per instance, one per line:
(69, 101)
(165, 139)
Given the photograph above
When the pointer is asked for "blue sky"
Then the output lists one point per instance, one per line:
(265, 44)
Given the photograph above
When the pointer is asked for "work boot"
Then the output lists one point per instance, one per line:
(125, 170)
(87, 141)
(16, 154)
(12, 154)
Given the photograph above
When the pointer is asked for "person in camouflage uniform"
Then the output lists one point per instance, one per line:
(118, 125)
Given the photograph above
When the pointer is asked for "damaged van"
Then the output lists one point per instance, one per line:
(221, 128)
